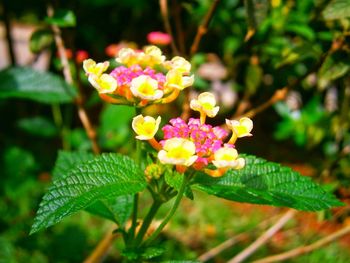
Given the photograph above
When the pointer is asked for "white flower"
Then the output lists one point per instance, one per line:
(178, 151)
(146, 88)
(145, 127)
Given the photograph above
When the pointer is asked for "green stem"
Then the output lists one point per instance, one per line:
(134, 216)
(147, 221)
(171, 212)
(58, 119)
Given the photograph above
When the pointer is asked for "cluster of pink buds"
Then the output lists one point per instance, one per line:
(141, 77)
(195, 143)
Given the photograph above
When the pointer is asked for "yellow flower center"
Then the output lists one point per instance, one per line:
(179, 153)
(146, 88)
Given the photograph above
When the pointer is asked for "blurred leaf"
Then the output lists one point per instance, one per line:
(18, 163)
(302, 30)
(39, 126)
(22, 82)
(256, 11)
(253, 77)
(298, 53)
(174, 179)
(143, 253)
(115, 125)
(333, 68)
(40, 40)
(104, 177)
(337, 9)
(78, 140)
(62, 18)
(262, 182)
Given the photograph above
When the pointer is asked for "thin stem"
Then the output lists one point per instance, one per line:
(84, 118)
(263, 238)
(147, 221)
(203, 27)
(306, 249)
(171, 212)
(134, 216)
(165, 15)
(57, 117)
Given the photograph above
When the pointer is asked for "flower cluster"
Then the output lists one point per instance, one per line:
(141, 77)
(195, 143)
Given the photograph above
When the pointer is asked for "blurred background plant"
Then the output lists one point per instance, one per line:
(284, 63)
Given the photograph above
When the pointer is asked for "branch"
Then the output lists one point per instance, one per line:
(203, 27)
(264, 237)
(9, 39)
(306, 249)
(84, 118)
(178, 27)
(102, 248)
(165, 15)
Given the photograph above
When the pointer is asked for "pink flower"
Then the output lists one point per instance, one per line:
(158, 38)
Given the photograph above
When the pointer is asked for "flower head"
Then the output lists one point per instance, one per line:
(227, 157)
(91, 68)
(104, 83)
(205, 104)
(178, 151)
(145, 127)
(143, 77)
(145, 87)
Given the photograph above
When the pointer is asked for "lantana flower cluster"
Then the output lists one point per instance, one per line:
(195, 143)
(141, 77)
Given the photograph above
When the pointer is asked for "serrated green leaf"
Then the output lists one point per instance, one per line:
(143, 253)
(26, 83)
(39, 126)
(66, 161)
(40, 40)
(116, 209)
(174, 179)
(62, 18)
(104, 177)
(337, 9)
(268, 183)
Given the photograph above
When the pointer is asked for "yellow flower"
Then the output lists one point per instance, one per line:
(146, 88)
(128, 57)
(152, 56)
(226, 157)
(145, 127)
(205, 104)
(180, 64)
(241, 128)
(175, 80)
(104, 83)
(91, 68)
(178, 151)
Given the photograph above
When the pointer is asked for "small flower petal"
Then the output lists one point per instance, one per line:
(91, 68)
(205, 103)
(241, 128)
(145, 127)
(178, 151)
(226, 157)
(104, 83)
(145, 87)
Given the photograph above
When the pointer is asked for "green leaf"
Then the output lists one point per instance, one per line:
(62, 18)
(40, 40)
(256, 11)
(104, 177)
(267, 183)
(143, 253)
(174, 179)
(334, 67)
(298, 53)
(337, 9)
(253, 78)
(22, 82)
(116, 209)
(39, 126)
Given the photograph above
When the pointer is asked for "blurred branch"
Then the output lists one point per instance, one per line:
(178, 27)
(7, 24)
(165, 15)
(203, 27)
(100, 251)
(84, 118)
(231, 241)
(306, 249)
(264, 237)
